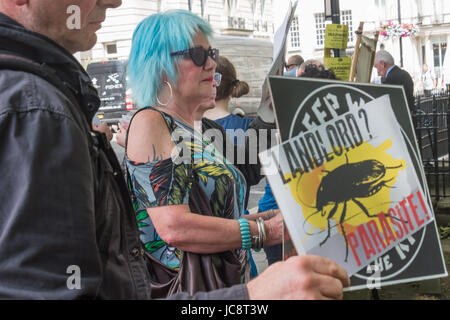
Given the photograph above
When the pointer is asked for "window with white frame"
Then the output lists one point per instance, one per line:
(346, 18)
(110, 49)
(234, 22)
(439, 44)
(320, 28)
(294, 32)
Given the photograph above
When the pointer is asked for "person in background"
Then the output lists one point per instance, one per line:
(429, 80)
(308, 62)
(122, 133)
(230, 87)
(318, 71)
(292, 65)
(392, 74)
(104, 128)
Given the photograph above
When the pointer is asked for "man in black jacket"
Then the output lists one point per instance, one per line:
(392, 74)
(67, 226)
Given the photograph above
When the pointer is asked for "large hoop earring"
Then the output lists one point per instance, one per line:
(171, 95)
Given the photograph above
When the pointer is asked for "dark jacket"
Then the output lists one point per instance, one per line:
(64, 214)
(399, 76)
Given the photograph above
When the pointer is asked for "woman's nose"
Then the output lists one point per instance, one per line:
(210, 64)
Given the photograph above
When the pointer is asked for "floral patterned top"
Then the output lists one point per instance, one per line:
(167, 182)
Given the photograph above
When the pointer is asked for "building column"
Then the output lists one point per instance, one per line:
(412, 61)
(446, 66)
(429, 52)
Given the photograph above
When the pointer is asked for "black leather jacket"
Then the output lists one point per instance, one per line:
(57, 240)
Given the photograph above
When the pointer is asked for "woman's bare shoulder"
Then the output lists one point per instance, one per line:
(149, 138)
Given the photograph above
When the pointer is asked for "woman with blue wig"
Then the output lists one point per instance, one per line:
(171, 72)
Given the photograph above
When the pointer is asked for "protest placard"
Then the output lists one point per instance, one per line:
(340, 66)
(336, 36)
(349, 182)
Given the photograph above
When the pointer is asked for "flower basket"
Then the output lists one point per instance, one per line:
(391, 30)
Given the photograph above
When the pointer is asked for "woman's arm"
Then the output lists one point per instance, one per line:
(188, 231)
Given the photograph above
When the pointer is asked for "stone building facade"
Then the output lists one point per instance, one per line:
(429, 45)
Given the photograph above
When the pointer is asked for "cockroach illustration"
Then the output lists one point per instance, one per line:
(347, 183)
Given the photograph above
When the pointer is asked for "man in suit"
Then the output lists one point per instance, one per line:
(392, 74)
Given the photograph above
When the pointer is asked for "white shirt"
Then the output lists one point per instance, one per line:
(428, 80)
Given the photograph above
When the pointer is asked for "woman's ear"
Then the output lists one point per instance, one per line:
(165, 78)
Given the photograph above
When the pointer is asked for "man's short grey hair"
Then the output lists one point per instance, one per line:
(383, 55)
(296, 59)
(309, 62)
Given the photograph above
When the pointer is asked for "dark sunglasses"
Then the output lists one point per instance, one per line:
(199, 55)
(287, 66)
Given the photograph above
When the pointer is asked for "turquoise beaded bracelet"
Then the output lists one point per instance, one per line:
(245, 234)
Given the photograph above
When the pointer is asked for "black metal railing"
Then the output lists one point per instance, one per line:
(431, 117)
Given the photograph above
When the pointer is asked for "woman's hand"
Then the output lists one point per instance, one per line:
(121, 135)
(104, 128)
(266, 215)
(274, 229)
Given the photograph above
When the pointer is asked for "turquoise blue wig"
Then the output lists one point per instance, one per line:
(154, 39)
